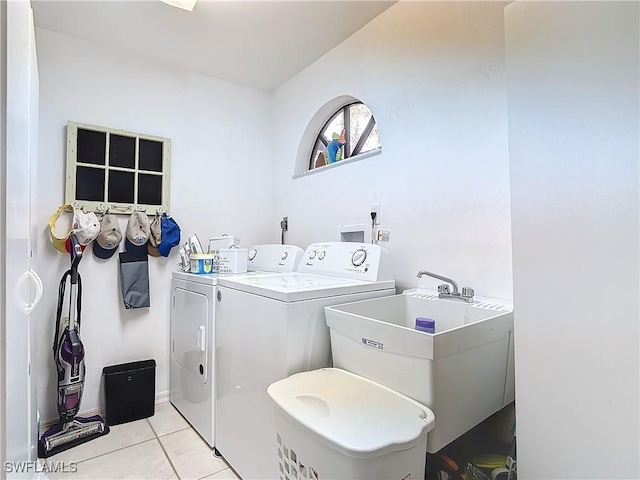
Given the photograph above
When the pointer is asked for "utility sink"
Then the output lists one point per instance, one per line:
(464, 371)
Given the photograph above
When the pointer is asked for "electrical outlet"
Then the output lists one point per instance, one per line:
(383, 236)
(284, 224)
(376, 208)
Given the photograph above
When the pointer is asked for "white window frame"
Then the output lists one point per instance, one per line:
(310, 137)
(115, 207)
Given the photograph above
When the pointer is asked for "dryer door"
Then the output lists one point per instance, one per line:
(189, 332)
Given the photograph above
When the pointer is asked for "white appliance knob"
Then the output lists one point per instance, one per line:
(252, 253)
(321, 255)
(358, 257)
(312, 254)
(284, 255)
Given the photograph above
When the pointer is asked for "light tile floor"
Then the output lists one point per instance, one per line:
(161, 447)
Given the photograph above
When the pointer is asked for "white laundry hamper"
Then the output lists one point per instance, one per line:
(332, 424)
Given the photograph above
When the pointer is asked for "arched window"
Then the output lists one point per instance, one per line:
(350, 131)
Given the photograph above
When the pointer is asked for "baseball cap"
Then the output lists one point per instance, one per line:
(86, 227)
(110, 236)
(59, 231)
(170, 235)
(154, 237)
(138, 230)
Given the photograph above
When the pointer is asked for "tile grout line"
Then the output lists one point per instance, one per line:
(175, 431)
(164, 450)
(187, 427)
(226, 468)
(151, 427)
(112, 451)
(217, 471)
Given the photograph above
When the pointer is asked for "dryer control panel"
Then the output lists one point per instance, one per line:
(273, 258)
(363, 261)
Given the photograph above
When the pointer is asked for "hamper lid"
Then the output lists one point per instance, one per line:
(351, 414)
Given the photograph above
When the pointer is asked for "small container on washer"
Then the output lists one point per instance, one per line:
(203, 263)
(232, 260)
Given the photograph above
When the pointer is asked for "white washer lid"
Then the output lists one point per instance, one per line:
(351, 414)
(211, 278)
(296, 287)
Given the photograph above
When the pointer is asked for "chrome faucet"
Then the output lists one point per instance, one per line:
(445, 292)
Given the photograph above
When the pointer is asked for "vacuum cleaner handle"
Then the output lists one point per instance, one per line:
(76, 256)
(61, 290)
(57, 334)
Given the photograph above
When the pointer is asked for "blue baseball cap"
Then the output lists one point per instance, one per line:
(170, 236)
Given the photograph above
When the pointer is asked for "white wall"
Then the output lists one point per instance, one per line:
(221, 156)
(3, 163)
(573, 76)
(433, 75)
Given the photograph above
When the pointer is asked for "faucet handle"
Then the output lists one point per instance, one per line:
(444, 288)
(467, 292)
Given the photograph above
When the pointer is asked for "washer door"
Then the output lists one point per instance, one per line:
(190, 346)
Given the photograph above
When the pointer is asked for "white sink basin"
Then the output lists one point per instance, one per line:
(463, 371)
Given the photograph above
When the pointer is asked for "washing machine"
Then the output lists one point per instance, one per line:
(271, 326)
(192, 343)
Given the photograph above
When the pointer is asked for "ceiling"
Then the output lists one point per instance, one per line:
(260, 44)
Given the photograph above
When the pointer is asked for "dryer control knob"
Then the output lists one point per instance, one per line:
(312, 254)
(358, 257)
(284, 255)
(252, 253)
(321, 255)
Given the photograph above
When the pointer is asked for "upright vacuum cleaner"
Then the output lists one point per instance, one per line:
(68, 354)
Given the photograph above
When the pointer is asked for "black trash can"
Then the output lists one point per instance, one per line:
(130, 391)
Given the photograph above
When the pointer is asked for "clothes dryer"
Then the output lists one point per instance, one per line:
(192, 317)
(271, 326)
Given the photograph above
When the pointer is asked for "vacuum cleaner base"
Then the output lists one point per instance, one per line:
(64, 436)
